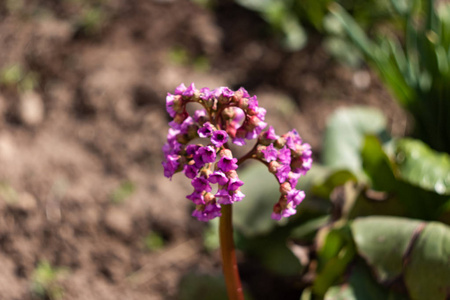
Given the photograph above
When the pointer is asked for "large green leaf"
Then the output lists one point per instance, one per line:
(416, 201)
(427, 274)
(383, 241)
(418, 251)
(422, 166)
(345, 133)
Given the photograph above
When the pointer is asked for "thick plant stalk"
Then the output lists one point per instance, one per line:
(229, 264)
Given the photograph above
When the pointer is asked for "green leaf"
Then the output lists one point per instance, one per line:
(427, 276)
(383, 241)
(307, 294)
(360, 285)
(336, 179)
(310, 227)
(355, 32)
(403, 7)
(345, 133)
(334, 254)
(416, 201)
(343, 292)
(295, 37)
(377, 165)
(422, 166)
(333, 270)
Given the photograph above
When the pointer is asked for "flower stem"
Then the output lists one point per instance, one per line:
(229, 264)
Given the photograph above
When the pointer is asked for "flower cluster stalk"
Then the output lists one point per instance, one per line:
(229, 263)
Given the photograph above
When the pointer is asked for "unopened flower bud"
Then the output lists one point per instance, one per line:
(285, 187)
(196, 96)
(209, 197)
(243, 104)
(298, 150)
(280, 142)
(237, 96)
(254, 121)
(225, 152)
(252, 111)
(223, 99)
(273, 166)
(260, 151)
(228, 113)
(205, 172)
(282, 201)
(178, 104)
(232, 174)
(277, 208)
(211, 103)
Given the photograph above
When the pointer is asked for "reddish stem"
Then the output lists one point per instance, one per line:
(229, 263)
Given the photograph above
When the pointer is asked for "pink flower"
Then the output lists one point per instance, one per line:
(219, 137)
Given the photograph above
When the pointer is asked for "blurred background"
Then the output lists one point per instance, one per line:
(85, 212)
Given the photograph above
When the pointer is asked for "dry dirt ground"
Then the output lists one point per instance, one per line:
(96, 119)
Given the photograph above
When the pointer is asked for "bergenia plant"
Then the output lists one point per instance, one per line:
(198, 145)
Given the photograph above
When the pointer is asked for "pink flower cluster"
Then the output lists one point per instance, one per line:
(288, 158)
(229, 116)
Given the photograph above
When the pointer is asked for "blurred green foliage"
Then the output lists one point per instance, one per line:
(371, 212)
(293, 19)
(16, 76)
(14, 6)
(91, 20)
(125, 190)
(45, 281)
(417, 69)
(154, 241)
(181, 56)
(8, 193)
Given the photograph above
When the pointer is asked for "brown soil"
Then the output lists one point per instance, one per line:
(97, 119)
